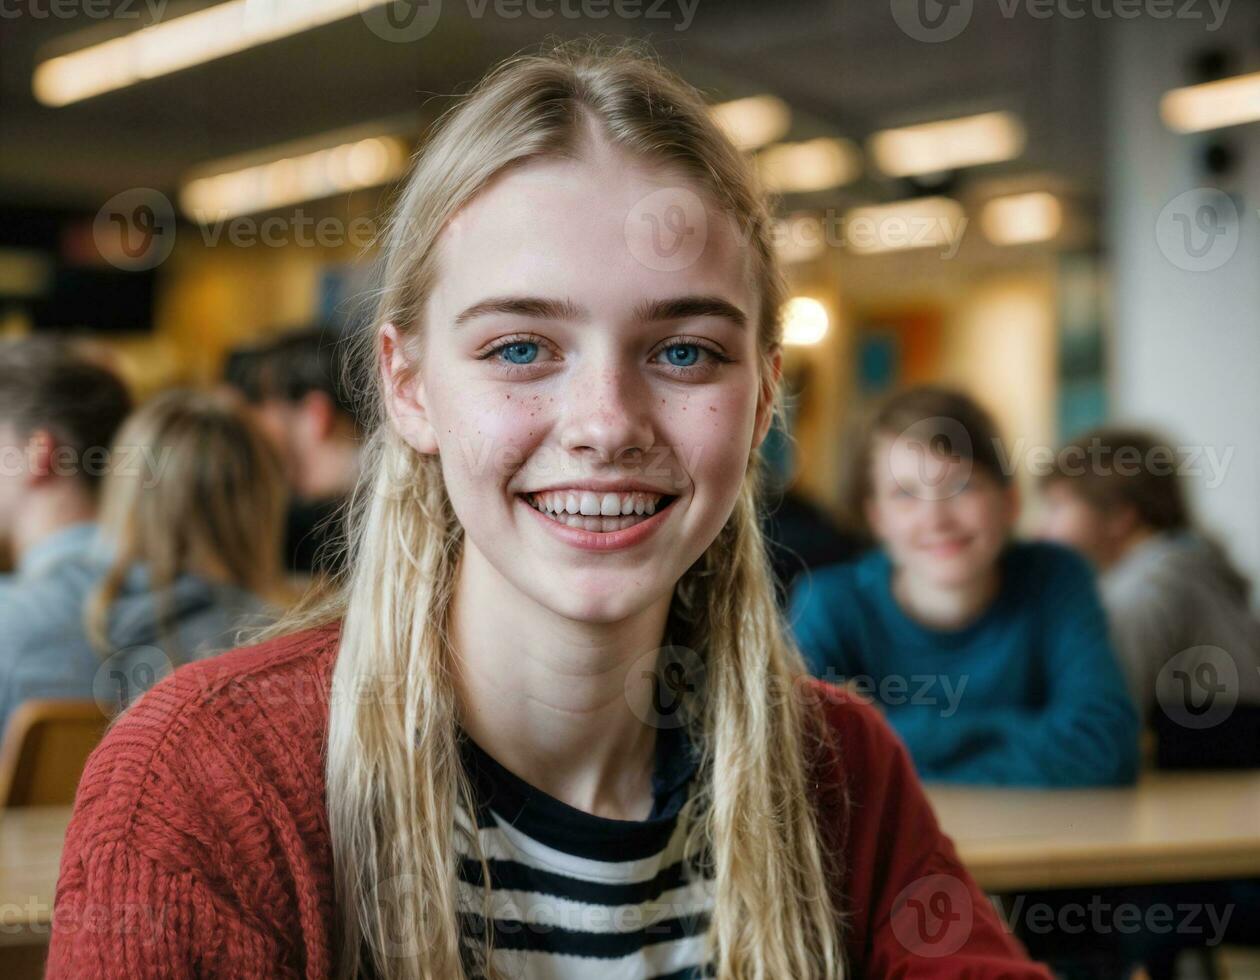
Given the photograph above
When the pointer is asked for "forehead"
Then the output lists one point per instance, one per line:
(604, 230)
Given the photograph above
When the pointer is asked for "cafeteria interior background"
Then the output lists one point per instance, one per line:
(1087, 259)
(1081, 245)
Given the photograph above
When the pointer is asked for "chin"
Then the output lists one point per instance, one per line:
(584, 606)
(953, 574)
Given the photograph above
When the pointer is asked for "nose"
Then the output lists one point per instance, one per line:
(940, 511)
(608, 413)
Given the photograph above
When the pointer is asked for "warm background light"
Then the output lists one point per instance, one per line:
(805, 321)
(948, 144)
(303, 177)
(1212, 105)
(753, 122)
(921, 222)
(811, 165)
(181, 42)
(1018, 219)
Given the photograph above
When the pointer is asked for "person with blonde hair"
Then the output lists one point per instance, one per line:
(550, 722)
(192, 518)
(186, 555)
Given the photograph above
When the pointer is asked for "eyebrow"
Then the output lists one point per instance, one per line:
(541, 308)
(689, 308)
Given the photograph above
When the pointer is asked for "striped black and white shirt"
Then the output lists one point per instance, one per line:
(576, 896)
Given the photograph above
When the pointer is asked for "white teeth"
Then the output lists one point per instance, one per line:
(595, 505)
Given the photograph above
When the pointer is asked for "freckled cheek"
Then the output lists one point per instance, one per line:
(486, 437)
(711, 433)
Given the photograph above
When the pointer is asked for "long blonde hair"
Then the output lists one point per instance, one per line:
(193, 487)
(394, 775)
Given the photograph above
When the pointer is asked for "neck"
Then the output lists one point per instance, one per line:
(55, 507)
(547, 696)
(944, 607)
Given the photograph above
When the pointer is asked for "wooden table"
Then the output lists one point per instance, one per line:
(30, 855)
(1170, 827)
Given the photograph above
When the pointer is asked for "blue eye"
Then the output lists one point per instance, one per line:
(682, 355)
(520, 352)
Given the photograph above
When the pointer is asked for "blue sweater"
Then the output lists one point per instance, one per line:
(1027, 694)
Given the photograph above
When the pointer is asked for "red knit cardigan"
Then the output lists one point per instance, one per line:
(199, 843)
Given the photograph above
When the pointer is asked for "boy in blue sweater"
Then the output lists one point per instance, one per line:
(990, 658)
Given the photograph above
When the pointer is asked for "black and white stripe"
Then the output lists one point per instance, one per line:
(575, 896)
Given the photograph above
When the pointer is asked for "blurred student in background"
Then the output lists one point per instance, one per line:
(1178, 608)
(294, 386)
(990, 657)
(59, 412)
(188, 554)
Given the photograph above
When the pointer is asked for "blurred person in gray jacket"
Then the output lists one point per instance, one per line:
(1178, 608)
(186, 558)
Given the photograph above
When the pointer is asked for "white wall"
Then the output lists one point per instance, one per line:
(1185, 351)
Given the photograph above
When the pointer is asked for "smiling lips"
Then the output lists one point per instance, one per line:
(948, 548)
(601, 512)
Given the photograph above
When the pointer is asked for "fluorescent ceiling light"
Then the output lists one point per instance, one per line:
(1018, 219)
(948, 144)
(292, 178)
(805, 321)
(192, 39)
(921, 222)
(753, 122)
(813, 165)
(1212, 105)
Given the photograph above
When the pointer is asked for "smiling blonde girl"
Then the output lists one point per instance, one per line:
(551, 723)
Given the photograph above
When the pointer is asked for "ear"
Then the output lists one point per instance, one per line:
(41, 447)
(404, 394)
(765, 399)
(320, 413)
